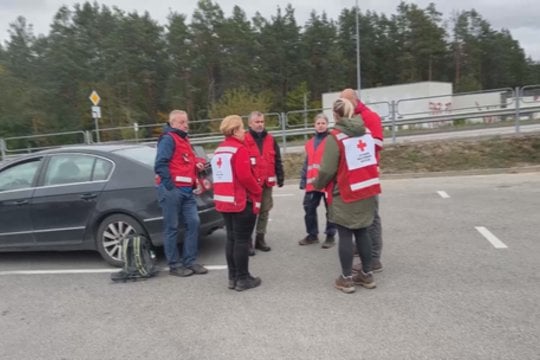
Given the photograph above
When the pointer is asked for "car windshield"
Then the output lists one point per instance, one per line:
(142, 154)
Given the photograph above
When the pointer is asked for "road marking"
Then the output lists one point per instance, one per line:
(498, 244)
(84, 271)
(443, 194)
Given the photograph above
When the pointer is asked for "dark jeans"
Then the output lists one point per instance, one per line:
(312, 199)
(239, 227)
(179, 208)
(363, 245)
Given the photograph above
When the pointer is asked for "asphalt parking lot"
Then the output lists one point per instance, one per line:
(461, 281)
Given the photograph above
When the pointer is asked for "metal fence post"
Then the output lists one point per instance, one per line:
(393, 110)
(283, 122)
(517, 115)
(2, 149)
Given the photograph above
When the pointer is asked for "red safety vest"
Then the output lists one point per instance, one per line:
(229, 195)
(264, 165)
(357, 175)
(314, 157)
(182, 164)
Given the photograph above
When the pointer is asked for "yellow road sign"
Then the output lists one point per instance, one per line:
(94, 98)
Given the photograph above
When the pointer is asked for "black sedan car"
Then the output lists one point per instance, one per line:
(87, 198)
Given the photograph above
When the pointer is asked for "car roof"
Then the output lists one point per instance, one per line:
(91, 148)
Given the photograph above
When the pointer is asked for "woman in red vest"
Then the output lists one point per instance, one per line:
(312, 198)
(237, 195)
(349, 161)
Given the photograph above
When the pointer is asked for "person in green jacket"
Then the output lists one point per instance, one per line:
(351, 217)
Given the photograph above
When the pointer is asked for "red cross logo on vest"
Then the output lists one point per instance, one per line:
(219, 162)
(361, 145)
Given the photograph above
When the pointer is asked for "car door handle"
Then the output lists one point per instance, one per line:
(88, 196)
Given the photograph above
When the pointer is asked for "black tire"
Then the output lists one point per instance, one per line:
(110, 234)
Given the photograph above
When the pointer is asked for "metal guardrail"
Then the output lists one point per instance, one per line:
(499, 105)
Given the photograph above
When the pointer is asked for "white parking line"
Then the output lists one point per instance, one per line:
(443, 194)
(84, 271)
(498, 244)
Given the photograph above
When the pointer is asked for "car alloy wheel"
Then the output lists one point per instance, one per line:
(110, 236)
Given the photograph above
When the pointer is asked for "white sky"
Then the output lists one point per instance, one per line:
(518, 16)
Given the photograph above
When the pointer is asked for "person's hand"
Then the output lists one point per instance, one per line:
(200, 166)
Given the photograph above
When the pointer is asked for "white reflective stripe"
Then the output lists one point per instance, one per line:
(257, 204)
(186, 179)
(310, 180)
(271, 178)
(341, 136)
(223, 198)
(364, 184)
(230, 149)
(314, 166)
(378, 142)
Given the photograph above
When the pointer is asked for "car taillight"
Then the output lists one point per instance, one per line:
(206, 184)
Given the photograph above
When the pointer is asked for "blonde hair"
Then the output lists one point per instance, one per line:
(343, 108)
(230, 124)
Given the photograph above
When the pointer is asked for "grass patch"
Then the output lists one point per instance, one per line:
(448, 155)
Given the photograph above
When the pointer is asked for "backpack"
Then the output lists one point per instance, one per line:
(139, 259)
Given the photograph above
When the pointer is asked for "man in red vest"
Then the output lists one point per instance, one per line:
(176, 170)
(312, 198)
(373, 122)
(265, 158)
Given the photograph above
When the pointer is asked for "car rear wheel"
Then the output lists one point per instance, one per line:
(111, 233)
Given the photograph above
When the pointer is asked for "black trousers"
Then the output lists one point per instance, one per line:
(239, 227)
(363, 245)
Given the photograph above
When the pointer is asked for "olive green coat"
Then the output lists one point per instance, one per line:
(354, 215)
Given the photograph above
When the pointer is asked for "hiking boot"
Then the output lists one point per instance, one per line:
(260, 244)
(249, 283)
(198, 269)
(329, 242)
(365, 280)
(345, 284)
(181, 271)
(232, 284)
(308, 240)
(376, 265)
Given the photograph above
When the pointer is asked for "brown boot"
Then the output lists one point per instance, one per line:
(260, 244)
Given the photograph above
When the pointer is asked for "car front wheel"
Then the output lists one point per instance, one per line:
(110, 236)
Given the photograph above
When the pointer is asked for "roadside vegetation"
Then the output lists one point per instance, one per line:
(448, 155)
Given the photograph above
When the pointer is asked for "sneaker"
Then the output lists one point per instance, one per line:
(249, 283)
(328, 242)
(345, 284)
(365, 280)
(198, 269)
(181, 271)
(376, 266)
(308, 240)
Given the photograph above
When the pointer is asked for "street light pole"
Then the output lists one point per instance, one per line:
(358, 84)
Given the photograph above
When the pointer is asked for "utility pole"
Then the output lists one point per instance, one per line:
(358, 83)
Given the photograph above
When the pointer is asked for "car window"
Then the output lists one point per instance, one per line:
(102, 169)
(143, 154)
(19, 176)
(65, 169)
